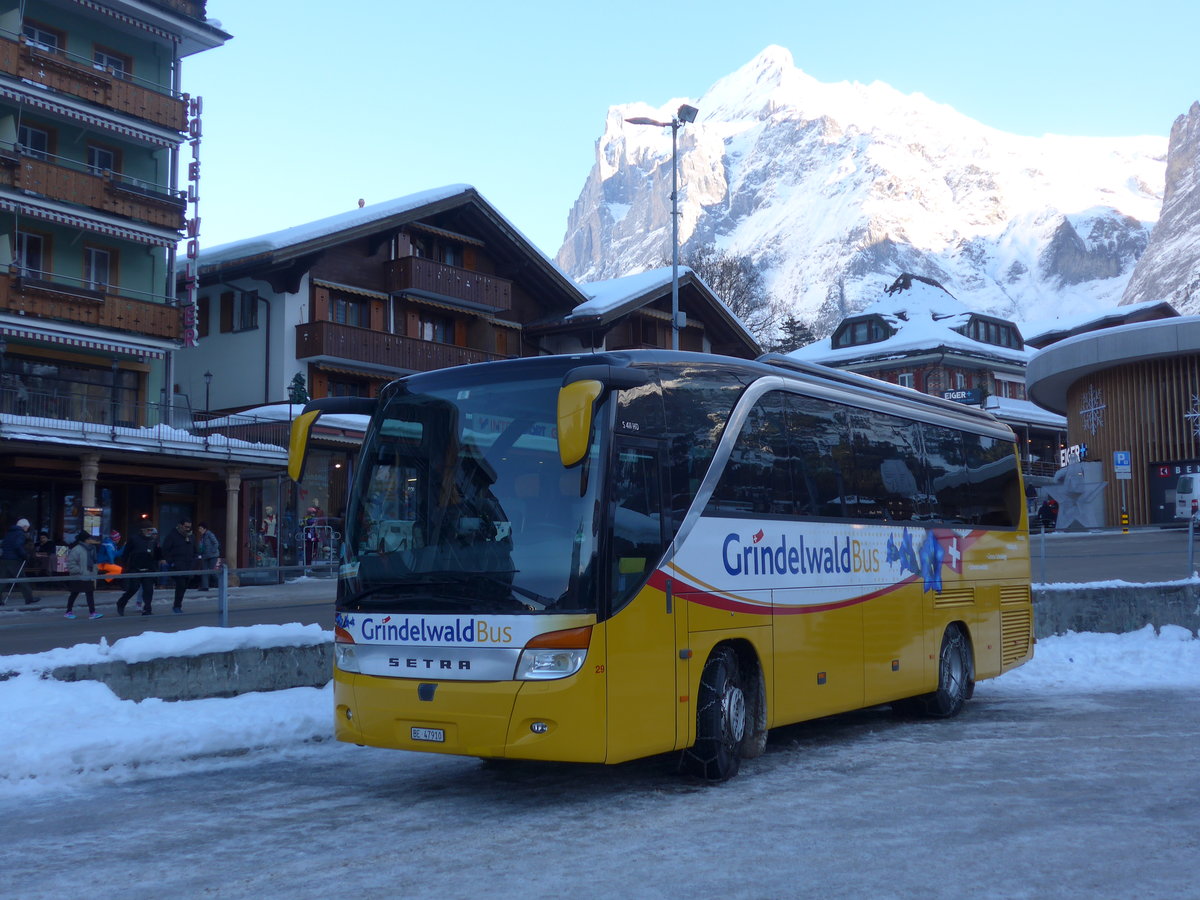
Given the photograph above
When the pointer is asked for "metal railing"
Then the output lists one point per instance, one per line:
(83, 414)
(123, 580)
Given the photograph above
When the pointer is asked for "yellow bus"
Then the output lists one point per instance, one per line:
(602, 557)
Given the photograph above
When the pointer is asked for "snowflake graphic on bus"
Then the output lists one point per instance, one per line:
(812, 564)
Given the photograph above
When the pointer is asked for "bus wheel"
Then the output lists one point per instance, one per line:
(956, 675)
(720, 719)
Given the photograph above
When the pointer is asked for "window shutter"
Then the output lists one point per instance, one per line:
(227, 311)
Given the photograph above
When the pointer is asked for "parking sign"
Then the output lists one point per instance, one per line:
(1123, 464)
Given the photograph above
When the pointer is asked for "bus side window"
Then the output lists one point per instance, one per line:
(636, 504)
(697, 408)
(992, 474)
(947, 472)
(819, 447)
(757, 477)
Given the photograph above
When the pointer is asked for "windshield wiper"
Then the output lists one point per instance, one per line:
(539, 600)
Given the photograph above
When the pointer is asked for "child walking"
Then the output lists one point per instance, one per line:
(81, 567)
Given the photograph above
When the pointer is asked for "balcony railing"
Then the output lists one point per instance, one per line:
(393, 351)
(64, 179)
(79, 77)
(415, 273)
(90, 419)
(48, 295)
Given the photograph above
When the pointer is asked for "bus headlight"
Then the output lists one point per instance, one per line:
(345, 658)
(555, 654)
(544, 663)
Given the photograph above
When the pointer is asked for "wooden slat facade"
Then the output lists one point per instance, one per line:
(101, 192)
(363, 345)
(56, 71)
(35, 301)
(1145, 411)
(414, 273)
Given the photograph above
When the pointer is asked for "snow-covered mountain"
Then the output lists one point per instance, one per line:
(835, 189)
(1170, 267)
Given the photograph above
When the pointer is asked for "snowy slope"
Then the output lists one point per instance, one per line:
(834, 189)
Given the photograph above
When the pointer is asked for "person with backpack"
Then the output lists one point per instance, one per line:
(209, 549)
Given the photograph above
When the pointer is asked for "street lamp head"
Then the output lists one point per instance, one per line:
(687, 113)
(646, 120)
(208, 377)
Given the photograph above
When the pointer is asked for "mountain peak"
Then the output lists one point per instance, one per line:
(834, 189)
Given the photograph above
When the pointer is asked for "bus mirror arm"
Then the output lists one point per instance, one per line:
(581, 390)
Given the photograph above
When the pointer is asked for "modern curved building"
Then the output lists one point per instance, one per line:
(1131, 389)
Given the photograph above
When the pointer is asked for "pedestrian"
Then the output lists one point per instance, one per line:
(14, 554)
(81, 568)
(141, 554)
(209, 549)
(179, 552)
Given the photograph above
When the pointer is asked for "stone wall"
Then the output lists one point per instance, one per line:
(1056, 611)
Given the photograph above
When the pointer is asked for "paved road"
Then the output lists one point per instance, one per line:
(1142, 555)
(1027, 794)
(32, 629)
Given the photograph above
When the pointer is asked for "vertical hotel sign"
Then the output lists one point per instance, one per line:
(191, 282)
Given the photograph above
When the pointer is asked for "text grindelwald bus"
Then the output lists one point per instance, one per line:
(602, 557)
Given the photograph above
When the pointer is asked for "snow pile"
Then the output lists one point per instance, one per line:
(59, 734)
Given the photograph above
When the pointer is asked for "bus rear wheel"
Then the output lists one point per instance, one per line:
(956, 675)
(721, 719)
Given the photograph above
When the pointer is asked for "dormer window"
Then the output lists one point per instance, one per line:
(994, 332)
(853, 332)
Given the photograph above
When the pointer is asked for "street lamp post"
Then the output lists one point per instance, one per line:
(207, 385)
(683, 115)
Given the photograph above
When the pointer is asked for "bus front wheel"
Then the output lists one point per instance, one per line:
(721, 719)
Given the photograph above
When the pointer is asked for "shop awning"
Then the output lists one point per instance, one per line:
(66, 339)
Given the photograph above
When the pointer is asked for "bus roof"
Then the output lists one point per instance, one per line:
(848, 385)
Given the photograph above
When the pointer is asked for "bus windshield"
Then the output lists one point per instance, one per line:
(462, 504)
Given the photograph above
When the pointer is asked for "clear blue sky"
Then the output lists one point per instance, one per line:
(312, 106)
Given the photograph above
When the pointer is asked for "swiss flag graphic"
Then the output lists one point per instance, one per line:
(758, 537)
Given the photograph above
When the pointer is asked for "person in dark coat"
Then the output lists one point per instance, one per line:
(141, 554)
(14, 554)
(179, 552)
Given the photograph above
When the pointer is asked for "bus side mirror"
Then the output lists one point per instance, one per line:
(575, 403)
(298, 445)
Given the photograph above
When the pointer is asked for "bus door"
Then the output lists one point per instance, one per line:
(644, 623)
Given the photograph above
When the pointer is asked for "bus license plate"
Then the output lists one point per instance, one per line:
(436, 735)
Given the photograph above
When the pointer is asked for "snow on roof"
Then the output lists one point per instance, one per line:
(923, 317)
(1092, 320)
(1026, 412)
(610, 295)
(286, 412)
(301, 234)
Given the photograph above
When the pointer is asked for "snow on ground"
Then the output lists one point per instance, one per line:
(60, 735)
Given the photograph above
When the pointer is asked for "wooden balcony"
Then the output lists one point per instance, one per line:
(473, 289)
(362, 345)
(81, 79)
(108, 192)
(40, 298)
